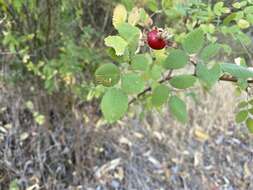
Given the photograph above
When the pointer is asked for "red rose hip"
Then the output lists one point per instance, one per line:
(155, 40)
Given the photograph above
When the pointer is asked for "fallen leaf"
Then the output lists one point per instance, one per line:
(107, 167)
(201, 135)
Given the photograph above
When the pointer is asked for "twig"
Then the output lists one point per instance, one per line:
(169, 76)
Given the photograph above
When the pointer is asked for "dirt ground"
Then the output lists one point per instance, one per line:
(211, 152)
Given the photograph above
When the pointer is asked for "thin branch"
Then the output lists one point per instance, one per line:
(169, 76)
(233, 79)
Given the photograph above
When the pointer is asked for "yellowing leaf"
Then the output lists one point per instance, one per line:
(160, 55)
(243, 24)
(236, 5)
(69, 79)
(119, 15)
(117, 43)
(134, 16)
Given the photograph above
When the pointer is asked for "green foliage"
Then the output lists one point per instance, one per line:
(194, 41)
(128, 32)
(117, 43)
(178, 109)
(160, 95)
(107, 75)
(208, 76)
(241, 116)
(183, 81)
(175, 60)
(132, 83)
(210, 51)
(242, 104)
(237, 70)
(193, 45)
(245, 113)
(114, 104)
(249, 124)
(140, 62)
(14, 185)
(219, 9)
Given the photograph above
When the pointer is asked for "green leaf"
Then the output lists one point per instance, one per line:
(152, 5)
(250, 18)
(117, 43)
(128, 31)
(167, 4)
(218, 8)
(140, 62)
(132, 83)
(242, 84)
(250, 111)
(241, 116)
(14, 185)
(120, 59)
(128, 4)
(155, 72)
(208, 76)
(242, 104)
(194, 41)
(243, 38)
(249, 10)
(227, 49)
(236, 5)
(237, 70)
(160, 95)
(107, 75)
(249, 124)
(17, 5)
(229, 18)
(210, 51)
(183, 81)
(178, 109)
(159, 56)
(131, 34)
(175, 60)
(114, 104)
(143, 17)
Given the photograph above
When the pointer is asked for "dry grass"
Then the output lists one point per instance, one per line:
(210, 152)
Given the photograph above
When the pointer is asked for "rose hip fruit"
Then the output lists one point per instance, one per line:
(155, 40)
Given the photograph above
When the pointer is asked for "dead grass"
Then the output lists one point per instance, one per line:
(210, 152)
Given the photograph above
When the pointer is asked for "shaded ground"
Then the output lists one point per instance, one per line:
(210, 153)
